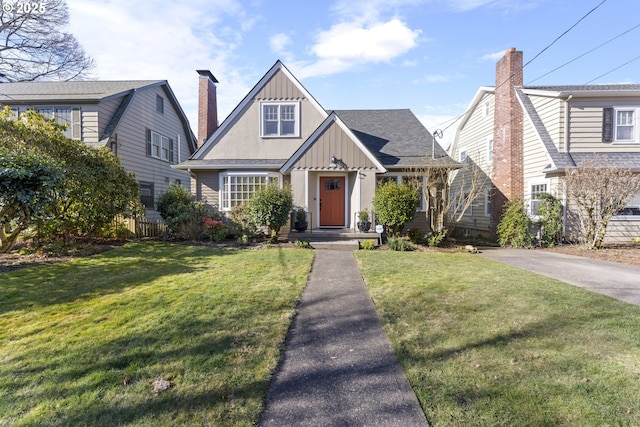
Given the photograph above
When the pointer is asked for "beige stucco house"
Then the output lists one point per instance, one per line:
(332, 159)
(140, 121)
(525, 138)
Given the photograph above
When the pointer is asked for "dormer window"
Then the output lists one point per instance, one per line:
(279, 119)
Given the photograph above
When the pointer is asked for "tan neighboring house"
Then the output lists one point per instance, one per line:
(140, 121)
(525, 138)
(279, 133)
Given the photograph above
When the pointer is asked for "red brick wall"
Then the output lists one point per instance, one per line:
(507, 173)
(207, 109)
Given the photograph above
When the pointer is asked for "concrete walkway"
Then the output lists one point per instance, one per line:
(338, 367)
(616, 280)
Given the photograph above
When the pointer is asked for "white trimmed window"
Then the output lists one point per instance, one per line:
(490, 148)
(487, 202)
(65, 116)
(160, 146)
(626, 129)
(632, 208)
(535, 201)
(238, 188)
(463, 156)
(280, 119)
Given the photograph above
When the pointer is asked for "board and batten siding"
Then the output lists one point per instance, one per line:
(131, 132)
(334, 142)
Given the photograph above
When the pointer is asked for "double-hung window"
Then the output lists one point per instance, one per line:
(625, 125)
(280, 119)
(237, 188)
(536, 202)
(70, 117)
(160, 146)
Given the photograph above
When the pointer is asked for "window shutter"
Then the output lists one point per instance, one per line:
(607, 124)
(76, 128)
(148, 139)
(171, 150)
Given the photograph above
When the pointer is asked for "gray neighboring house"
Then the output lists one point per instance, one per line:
(526, 138)
(332, 159)
(140, 121)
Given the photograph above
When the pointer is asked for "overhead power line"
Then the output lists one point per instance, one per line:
(611, 71)
(584, 54)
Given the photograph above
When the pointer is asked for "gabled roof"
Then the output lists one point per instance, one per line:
(559, 161)
(396, 138)
(333, 118)
(83, 92)
(248, 99)
(75, 91)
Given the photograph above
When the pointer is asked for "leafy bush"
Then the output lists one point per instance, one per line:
(270, 207)
(242, 223)
(368, 245)
(181, 213)
(435, 238)
(395, 205)
(398, 243)
(514, 227)
(550, 221)
(215, 229)
(303, 244)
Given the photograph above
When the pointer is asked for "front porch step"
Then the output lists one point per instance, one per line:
(336, 239)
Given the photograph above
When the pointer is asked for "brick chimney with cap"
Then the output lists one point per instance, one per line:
(207, 106)
(507, 174)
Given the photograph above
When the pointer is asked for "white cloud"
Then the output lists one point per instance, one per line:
(279, 42)
(349, 44)
(164, 41)
(493, 57)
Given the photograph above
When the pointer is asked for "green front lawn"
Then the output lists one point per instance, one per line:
(210, 321)
(484, 344)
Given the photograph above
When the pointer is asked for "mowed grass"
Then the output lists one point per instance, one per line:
(485, 344)
(211, 321)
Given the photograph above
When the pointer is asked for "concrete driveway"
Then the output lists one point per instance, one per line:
(616, 280)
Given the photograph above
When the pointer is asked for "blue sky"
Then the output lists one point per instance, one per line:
(427, 55)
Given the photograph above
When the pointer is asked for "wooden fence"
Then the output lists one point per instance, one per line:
(142, 227)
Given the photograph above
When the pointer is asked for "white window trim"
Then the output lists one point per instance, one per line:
(487, 202)
(490, 149)
(547, 183)
(636, 123)
(297, 124)
(463, 156)
(225, 205)
(161, 150)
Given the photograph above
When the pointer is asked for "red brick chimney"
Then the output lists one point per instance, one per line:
(507, 174)
(207, 106)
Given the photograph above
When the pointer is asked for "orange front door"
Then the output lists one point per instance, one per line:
(332, 201)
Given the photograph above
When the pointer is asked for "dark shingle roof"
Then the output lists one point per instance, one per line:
(559, 160)
(587, 88)
(620, 160)
(68, 91)
(233, 163)
(396, 137)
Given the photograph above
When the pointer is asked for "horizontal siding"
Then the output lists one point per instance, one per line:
(140, 115)
(89, 123)
(474, 138)
(551, 112)
(585, 130)
(623, 230)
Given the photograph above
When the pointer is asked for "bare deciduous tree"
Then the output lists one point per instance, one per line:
(34, 46)
(596, 191)
(449, 192)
